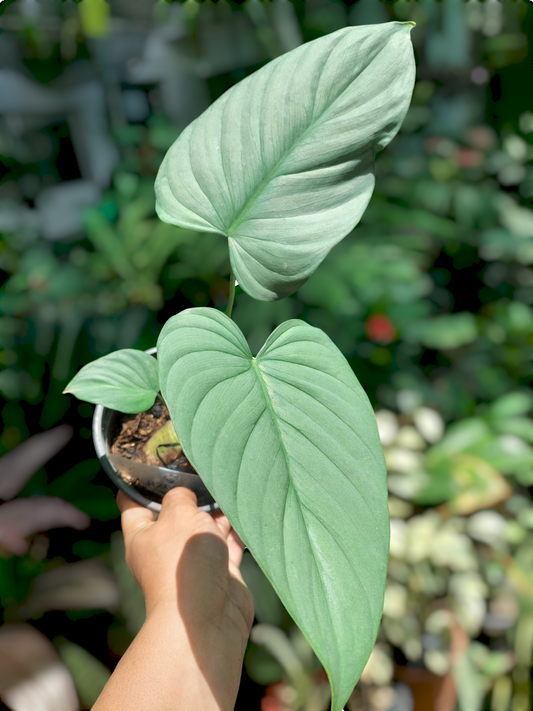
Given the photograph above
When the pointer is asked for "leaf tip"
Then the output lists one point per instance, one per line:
(406, 25)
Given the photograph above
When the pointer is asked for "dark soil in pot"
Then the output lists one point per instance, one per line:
(149, 438)
(142, 456)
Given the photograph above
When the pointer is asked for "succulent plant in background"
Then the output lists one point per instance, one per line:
(286, 441)
(459, 582)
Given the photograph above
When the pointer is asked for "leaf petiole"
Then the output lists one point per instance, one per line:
(231, 295)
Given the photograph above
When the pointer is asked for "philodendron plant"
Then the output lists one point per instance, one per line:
(286, 441)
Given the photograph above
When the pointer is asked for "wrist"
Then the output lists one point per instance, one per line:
(232, 630)
(210, 659)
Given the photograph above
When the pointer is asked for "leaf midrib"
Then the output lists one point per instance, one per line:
(270, 407)
(272, 173)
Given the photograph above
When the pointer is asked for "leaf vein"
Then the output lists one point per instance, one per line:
(354, 485)
(275, 377)
(285, 155)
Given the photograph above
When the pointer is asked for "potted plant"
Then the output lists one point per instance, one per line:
(134, 452)
(285, 441)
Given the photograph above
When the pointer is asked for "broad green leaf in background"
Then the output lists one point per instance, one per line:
(511, 405)
(126, 380)
(283, 163)
(469, 683)
(287, 443)
(448, 331)
(518, 426)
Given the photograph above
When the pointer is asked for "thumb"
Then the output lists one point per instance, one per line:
(177, 502)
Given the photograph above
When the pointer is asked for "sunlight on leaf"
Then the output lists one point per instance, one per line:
(126, 380)
(283, 163)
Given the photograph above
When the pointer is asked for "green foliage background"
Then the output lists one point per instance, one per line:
(430, 299)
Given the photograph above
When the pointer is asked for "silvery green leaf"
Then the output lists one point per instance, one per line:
(287, 444)
(282, 164)
(126, 380)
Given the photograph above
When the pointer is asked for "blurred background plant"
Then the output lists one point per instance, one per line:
(430, 299)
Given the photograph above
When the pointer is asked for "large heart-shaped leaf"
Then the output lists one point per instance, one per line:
(126, 380)
(287, 443)
(283, 163)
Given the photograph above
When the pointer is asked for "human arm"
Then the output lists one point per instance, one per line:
(189, 652)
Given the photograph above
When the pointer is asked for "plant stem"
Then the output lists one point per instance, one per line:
(231, 296)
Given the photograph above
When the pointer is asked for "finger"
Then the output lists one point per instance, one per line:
(133, 516)
(177, 502)
(223, 523)
(235, 545)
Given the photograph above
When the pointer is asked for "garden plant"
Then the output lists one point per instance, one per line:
(285, 441)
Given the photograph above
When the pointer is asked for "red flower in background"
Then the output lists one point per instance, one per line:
(270, 703)
(380, 329)
(468, 158)
(320, 676)
(278, 697)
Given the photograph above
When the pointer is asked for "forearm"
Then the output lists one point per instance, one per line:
(162, 671)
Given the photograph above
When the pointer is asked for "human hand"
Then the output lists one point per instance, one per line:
(189, 652)
(191, 559)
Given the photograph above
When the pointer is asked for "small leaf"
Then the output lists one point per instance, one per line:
(448, 331)
(283, 163)
(287, 443)
(517, 426)
(126, 380)
(511, 405)
(469, 684)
